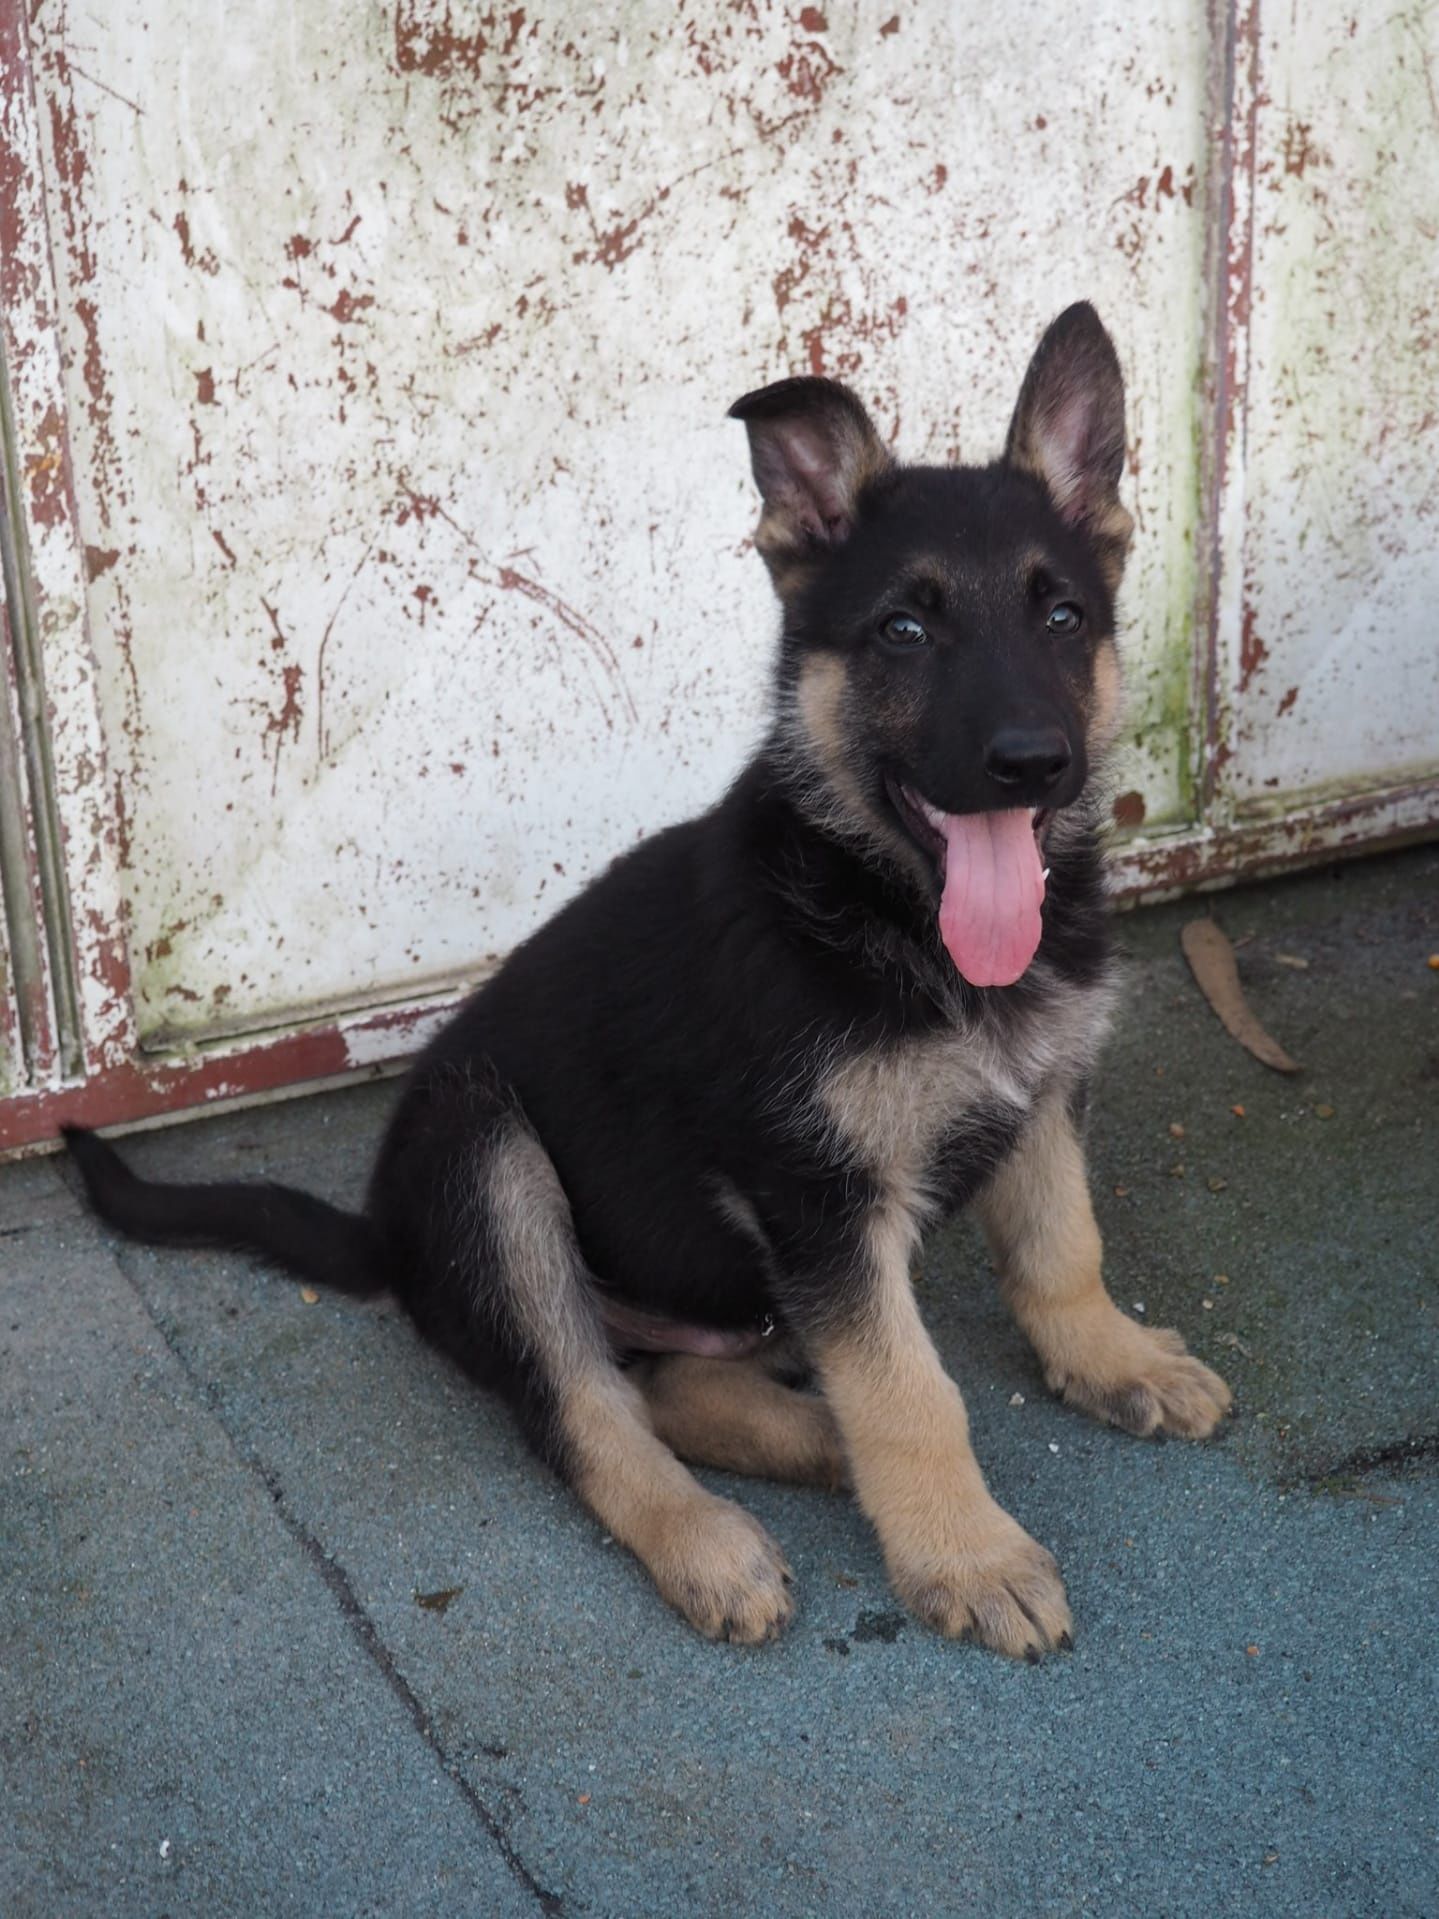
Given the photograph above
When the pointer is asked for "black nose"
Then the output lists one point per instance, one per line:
(1029, 758)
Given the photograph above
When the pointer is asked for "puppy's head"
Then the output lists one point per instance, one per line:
(948, 672)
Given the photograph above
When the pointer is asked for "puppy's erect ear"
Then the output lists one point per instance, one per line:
(814, 450)
(1068, 430)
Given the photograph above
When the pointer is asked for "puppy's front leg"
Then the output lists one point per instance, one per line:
(955, 1557)
(1042, 1231)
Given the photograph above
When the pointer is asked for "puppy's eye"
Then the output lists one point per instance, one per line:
(1065, 618)
(903, 629)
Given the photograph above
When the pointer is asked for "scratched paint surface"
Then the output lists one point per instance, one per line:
(1335, 672)
(89, 800)
(397, 361)
(10, 1061)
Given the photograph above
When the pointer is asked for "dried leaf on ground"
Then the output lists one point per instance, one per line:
(440, 1601)
(1211, 960)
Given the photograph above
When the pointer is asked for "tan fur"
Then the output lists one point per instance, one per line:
(1032, 561)
(1111, 529)
(820, 745)
(816, 731)
(954, 1556)
(1041, 1227)
(819, 705)
(1112, 533)
(1106, 710)
(711, 1561)
(890, 1106)
(789, 566)
(732, 1205)
(538, 1260)
(730, 1413)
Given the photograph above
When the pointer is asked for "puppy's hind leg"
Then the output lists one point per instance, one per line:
(711, 1561)
(733, 1414)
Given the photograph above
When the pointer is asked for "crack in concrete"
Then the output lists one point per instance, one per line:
(356, 1619)
(1400, 1455)
(365, 1630)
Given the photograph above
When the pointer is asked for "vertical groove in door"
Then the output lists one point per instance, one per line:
(27, 798)
(26, 985)
(14, 1066)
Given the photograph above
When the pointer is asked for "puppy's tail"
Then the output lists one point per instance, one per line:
(305, 1235)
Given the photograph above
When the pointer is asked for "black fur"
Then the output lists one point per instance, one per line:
(309, 1236)
(662, 1034)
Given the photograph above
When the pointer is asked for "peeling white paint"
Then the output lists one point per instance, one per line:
(1332, 658)
(84, 796)
(378, 1045)
(409, 577)
(403, 418)
(11, 1062)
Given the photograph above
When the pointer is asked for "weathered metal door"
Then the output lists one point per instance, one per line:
(378, 555)
(1318, 692)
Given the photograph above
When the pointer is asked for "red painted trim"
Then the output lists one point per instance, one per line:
(1213, 448)
(139, 1090)
(1338, 829)
(11, 1047)
(1230, 273)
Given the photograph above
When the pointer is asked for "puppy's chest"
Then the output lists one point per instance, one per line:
(915, 1112)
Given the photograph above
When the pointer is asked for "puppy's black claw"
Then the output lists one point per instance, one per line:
(1031, 1655)
(1066, 1642)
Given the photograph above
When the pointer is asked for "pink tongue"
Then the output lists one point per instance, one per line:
(993, 890)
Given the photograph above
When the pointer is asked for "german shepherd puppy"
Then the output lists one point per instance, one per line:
(667, 1171)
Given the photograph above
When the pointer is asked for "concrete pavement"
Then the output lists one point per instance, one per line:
(232, 1682)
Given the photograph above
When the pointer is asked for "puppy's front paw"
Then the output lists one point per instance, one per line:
(1003, 1589)
(723, 1571)
(1141, 1378)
